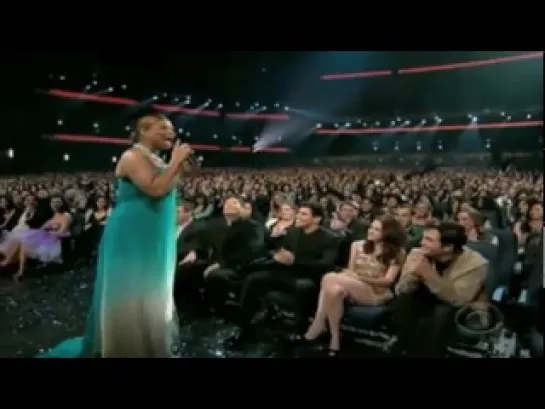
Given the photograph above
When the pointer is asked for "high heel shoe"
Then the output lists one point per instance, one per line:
(333, 353)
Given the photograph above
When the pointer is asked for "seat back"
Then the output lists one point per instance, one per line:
(535, 278)
(490, 253)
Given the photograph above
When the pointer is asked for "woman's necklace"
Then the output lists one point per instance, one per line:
(153, 157)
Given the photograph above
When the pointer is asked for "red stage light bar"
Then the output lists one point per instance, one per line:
(106, 99)
(111, 140)
(435, 68)
(470, 64)
(352, 75)
(430, 128)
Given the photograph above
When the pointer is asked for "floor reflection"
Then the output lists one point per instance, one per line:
(42, 311)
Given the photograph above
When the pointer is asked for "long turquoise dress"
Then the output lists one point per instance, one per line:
(132, 312)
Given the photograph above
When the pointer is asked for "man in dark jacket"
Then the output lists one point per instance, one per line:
(349, 227)
(230, 244)
(309, 252)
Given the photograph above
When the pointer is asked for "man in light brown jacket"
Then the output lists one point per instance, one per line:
(436, 279)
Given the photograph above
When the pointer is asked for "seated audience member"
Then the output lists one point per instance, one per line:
(230, 244)
(392, 202)
(368, 211)
(422, 215)
(531, 222)
(95, 220)
(203, 209)
(368, 279)
(30, 217)
(77, 206)
(274, 205)
(232, 254)
(472, 222)
(247, 213)
(43, 244)
(309, 251)
(189, 234)
(436, 279)
(277, 228)
(9, 217)
(346, 223)
(403, 214)
(273, 208)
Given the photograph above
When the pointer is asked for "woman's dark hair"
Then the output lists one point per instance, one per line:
(525, 226)
(532, 202)
(95, 206)
(394, 239)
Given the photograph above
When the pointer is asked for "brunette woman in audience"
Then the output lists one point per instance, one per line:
(531, 222)
(203, 207)
(368, 279)
(519, 211)
(43, 244)
(95, 220)
(277, 228)
(367, 210)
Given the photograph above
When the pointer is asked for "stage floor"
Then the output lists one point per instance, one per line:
(39, 312)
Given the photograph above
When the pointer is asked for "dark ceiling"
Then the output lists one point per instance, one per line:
(293, 78)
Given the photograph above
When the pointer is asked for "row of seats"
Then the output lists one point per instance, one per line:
(370, 325)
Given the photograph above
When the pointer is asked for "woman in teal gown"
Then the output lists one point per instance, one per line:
(132, 312)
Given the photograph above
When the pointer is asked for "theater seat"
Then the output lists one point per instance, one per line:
(366, 316)
(495, 285)
(281, 300)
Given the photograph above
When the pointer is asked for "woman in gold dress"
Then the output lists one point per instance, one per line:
(371, 272)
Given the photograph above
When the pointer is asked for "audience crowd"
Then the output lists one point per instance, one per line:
(422, 243)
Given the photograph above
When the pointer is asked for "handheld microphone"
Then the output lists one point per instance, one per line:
(194, 161)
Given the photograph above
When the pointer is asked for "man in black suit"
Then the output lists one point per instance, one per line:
(247, 212)
(349, 227)
(309, 252)
(189, 234)
(226, 244)
(192, 258)
(234, 243)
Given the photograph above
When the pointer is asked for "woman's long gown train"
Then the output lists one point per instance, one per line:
(132, 312)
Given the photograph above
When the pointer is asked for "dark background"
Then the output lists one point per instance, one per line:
(238, 79)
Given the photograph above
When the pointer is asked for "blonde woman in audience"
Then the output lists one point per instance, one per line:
(43, 244)
(278, 227)
(274, 206)
(472, 222)
(368, 279)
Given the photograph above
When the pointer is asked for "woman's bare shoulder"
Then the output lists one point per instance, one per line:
(130, 156)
